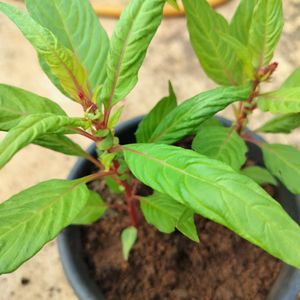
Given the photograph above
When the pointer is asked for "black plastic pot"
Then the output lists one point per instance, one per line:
(286, 287)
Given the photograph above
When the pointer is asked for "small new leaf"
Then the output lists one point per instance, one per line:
(35, 216)
(128, 238)
(166, 214)
(283, 161)
(223, 144)
(93, 210)
(148, 125)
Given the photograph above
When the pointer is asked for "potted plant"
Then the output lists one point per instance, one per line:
(183, 163)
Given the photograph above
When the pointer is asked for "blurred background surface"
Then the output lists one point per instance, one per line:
(170, 57)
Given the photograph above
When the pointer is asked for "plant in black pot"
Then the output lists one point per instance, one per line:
(187, 174)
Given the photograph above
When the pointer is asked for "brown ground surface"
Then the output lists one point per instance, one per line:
(169, 57)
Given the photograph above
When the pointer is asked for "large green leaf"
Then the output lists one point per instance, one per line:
(16, 103)
(129, 44)
(283, 161)
(35, 216)
(259, 175)
(60, 143)
(281, 124)
(217, 192)
(62, 62)
(148, 125)
(217, 58)
(223, 144)
(30, 129)
(265, 30)
(242, 20)
(285, 100)
(77, 27)
(93, 210)
(166, 214)
(188, 116)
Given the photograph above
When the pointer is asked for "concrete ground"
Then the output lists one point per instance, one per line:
(170, 57)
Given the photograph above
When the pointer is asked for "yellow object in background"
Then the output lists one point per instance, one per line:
(115, 10)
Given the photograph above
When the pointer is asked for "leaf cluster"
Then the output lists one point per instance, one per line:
(210, 179)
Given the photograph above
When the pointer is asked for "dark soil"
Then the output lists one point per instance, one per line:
(161, 267)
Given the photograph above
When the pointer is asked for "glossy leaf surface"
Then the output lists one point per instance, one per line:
(217, 192)
(35, 216)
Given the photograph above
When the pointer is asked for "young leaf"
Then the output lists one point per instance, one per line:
(283, 161)
(166, 214)
(77, 28)
(241, 22)
(128, 238)
(60, 143)
(148, 125)
(282, 124)
(35, 216)
(93, 210)
(215, 191)
(129, 44)
(30, 129)
(259, 175)
(216, 57)
(186, 225)
(60, 61)
(16, 103)
(265, 30)
(173, 3)
(188, 116)
(223, 144)
(293, 81)
(284, 100)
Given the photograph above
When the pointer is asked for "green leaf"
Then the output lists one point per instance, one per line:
(60, 61)
(16, 103)
(285, 100)
(188, 116)
(223, 144)
(217, 192)
(241, 22)
(205, 26)
(30, 129)
(173, 3)
(166, 214)
(148, 125)
(259, 175)
(128, 238)
(186, 225)
(129, 43)
(265, 30)
(113, 186)
(93, 210)
(77, 28)
(60, 143)
(35, 216)
(293, 81)
(281, 124)
(283, 161)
